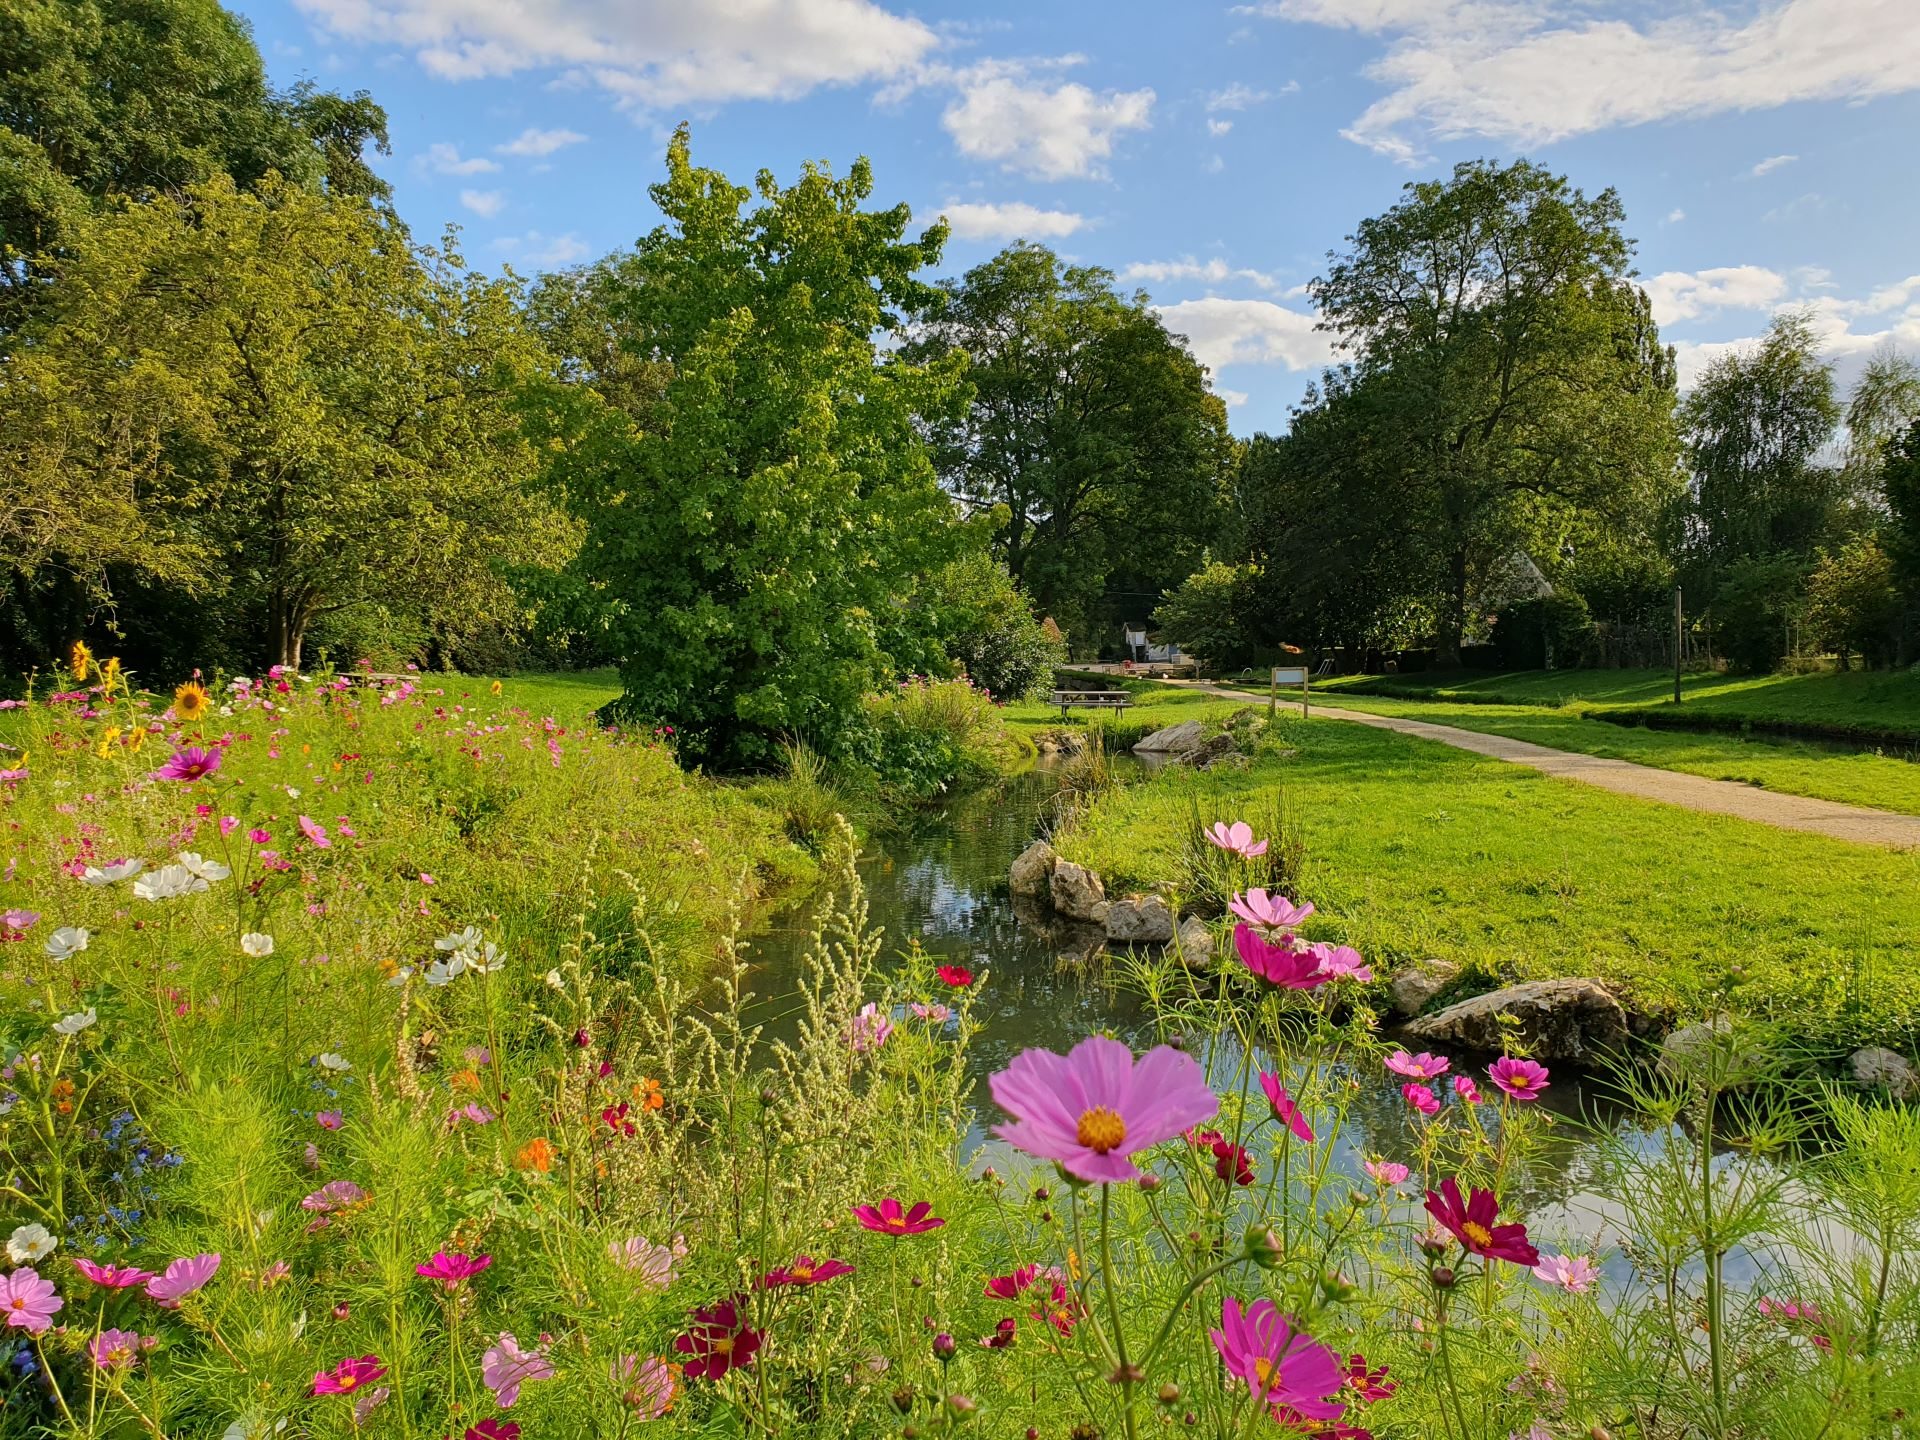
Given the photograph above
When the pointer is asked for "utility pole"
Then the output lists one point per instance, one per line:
(1678, 637)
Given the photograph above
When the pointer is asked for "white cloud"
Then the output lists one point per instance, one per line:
(537, 249)
(1233, 398)
(1240, 97)
(1676, 215)
(1529, 72)
(1773, 163)
(1248, 332)
(1016, 219)
(647, 53)
(484, 202)
(445, 159)
(1218, 127)
(536, 142)
(1683, 294)
(1212, 272)
(1847, 330)
(1051, 131)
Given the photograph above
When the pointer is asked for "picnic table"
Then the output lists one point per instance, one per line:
(1091, 700)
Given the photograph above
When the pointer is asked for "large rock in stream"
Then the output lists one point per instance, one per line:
(1173, 739)
(1139, 920)
(1078, 893)
(1558, 1020)
(1032, 874)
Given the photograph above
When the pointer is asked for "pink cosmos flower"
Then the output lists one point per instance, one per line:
(506, 1367)
(1342, 962)
(259, 836)
(1386, 1172)
(1471, 1222)
(1010, 1287)
(1094, 1107)
(1290, 966)
(1521, 1080)
(329, 1119)
(111, 1277)
(315, 832)
(1284, 1108)
(937, 1014)
(228, 824)
(181, 1279)
(189, 764)
(348, 1376)
(1574, 1274)
(451, 1268)
(1421, 1098)
(1418, 1067)
(1368, 1385)
(870, 1029)
(889, 1218)
(334, 1195)
(18, 920)
(117, 1349)
(649, 1386)
(492, 1429)
(1268, 912)
(1280, 1365)
(805, 1270)
(1235, 839)
(719, 1339)
(653, 1263)
(28, 1300)
(369, 1401)
(1464, 1087)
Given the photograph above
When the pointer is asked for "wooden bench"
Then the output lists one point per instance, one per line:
(1091, 700)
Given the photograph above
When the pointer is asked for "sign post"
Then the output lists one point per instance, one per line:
(1287, 675)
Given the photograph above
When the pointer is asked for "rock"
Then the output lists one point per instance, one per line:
(1693, 1047)
(1032, 872)
(1194, 945)
(1203, 755)
(1412, 990)
(1139, 920)
(1078, 893)
(1559, 1020)
(1878, 1068)
(1173, 739)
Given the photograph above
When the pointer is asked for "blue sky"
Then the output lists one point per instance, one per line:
(1208, 153)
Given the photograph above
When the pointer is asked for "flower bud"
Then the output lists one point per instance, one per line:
(1126, 1375)
(1336, 1287)
(1263, 1247)
(962, 1404)
(1442, 1278)
(1169, 1394)
(767, 1097)
(1042, 1194)
(944, 1347)
(1149, 1184)
(903, 1399)
(989, 1175)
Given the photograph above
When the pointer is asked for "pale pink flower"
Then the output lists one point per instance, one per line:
(1235, 839)
(655, 1264)
(1574, 1274)
(1386, 1172)
(1268, 911)
(506, 1367)
(181, 1279)
(1418, 1067)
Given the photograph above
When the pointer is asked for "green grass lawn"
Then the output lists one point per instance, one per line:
(1414, 849)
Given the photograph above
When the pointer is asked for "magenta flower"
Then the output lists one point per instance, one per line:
(1418, 1067)
(889, 1218)
(1290, 966)
(506, 1367)
(1280, 1365)
(334, 1195)
(869, 1030)
(315, 832)
(1386, 1172)
(117, 1349)
(719, 1340)
(228, 824)
(28, 1300)
(1092, 1108)
(1472, 1223)
(492, 1429)
(348, 1376)
(1421, 1098)
(1235, 839)
(1464, 1087)
(1269, 912)
(1521, 1080)
(1010, 1287)
(1800, 1315)
(1342, 962)
(181, 1279)
(451, 1268)
(1284, 1108)
(329, 1119)
(189, 764)
(1574, 1274)
(111, 1277)
(17, 921)
(805, 1270)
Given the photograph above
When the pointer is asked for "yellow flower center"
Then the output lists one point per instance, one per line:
(16, 1304)
(723, 1345)
(1477, 1233)
(1264, 1369)
(1101, 1130)
(802, 1272)
(347, 1382)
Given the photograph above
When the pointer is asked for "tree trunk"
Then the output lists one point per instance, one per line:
(1453, 619)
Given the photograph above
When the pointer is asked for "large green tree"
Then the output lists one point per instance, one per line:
(1092, 438)
(1494, 329)
(273, 400)
(756, 529)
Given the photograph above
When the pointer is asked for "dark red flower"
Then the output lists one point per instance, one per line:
(492, 1429)
(1006, 1287)
(1230, 1160)
(720, 1339)
(1472, 1223)
(1368, 1385)
(889, 1217)
(616, 1118)
(958, 976)
(1002, 1335)
(805, 1270)
(1318, 1429)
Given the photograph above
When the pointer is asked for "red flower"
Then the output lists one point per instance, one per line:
(1230, 1160)
(1002, 1335)
(1472, 1223)
(1006, 1287)
(720, 1339)
(492, 1429)
(616, 1118)
(805, 1270)
(888, 1218)
(1368, 1385)
(958, 976)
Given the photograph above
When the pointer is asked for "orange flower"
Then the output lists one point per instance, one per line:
(464, 1080)
(536, 1154)
(63, 1089)
(647, 1092)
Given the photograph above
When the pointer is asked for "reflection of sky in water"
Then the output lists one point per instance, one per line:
(944, 884)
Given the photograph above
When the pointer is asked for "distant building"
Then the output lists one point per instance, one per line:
(1142, 650)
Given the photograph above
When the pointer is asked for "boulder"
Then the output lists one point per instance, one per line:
(1412, 990)
(1078, 893)
(1139, 920)
(1877, 1068)
(1693, 1047)
(1194, 945)
(1208, 752)
(1558, 1020)
(1032, 872)
(1173, 739)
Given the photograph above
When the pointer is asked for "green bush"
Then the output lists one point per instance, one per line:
(925, 735)
(1212, 615)
(1756, 602)
(992, 632)
(1852, 605)
(1553, 632)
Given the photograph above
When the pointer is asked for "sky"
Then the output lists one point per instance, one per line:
(1767, 151)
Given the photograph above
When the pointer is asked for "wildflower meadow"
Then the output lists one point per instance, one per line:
(376, 1065)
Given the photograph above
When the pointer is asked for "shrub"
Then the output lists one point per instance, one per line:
(1852, 605)
(923, 736)
(991, 632)
(1552, 632)
(1212, 615)
(1755, 605)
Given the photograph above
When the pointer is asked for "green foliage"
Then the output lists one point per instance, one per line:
(989, 629)
(1852, 605)
(1551, 632)
(1900, 476)
(1754, 606)
(751, 541)
(1212, 614)
(923, 736)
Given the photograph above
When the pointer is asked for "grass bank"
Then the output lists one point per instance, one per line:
(1416, 850)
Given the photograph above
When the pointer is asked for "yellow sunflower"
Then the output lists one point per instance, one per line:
(190, 702)
(81, 659)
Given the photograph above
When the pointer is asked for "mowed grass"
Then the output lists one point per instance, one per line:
(1416, 850)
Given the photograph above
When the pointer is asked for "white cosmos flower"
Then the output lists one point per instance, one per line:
(331, 1061)
(401, 976)
(75, 1023)
(110, 874)
(257, 945)
(30, 1244)
(445, 972)
(67, 942)
(208, 870)
(484, 961)
(554, 981)
(169, 882)
(467, 939)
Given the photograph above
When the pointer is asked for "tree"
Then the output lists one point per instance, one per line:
(292, 410)
(1092, 437)
(1496, 332)
(1852, 605)
(1885, 401)
(1212, 615)
(1900, 478)
(756, 538)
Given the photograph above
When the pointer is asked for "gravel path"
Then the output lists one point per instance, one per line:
(1671, 787)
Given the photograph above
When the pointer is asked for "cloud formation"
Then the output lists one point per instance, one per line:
(1013, 220)
(445, 159)
(484, 202)
(1039, 127)
(537, 142)
(1248, 332)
